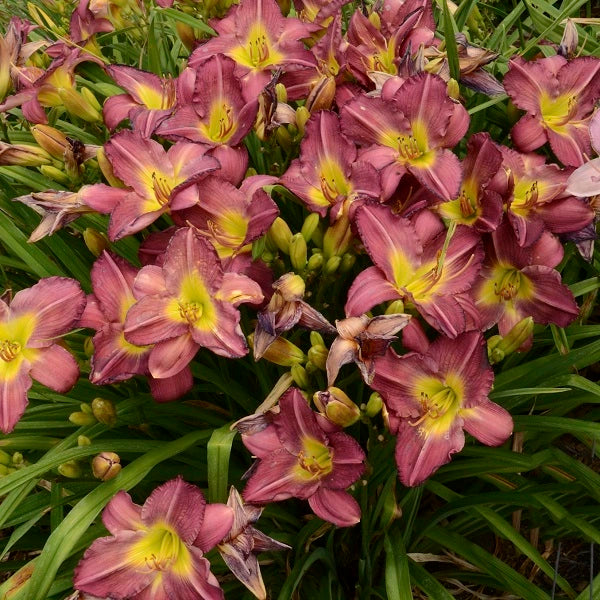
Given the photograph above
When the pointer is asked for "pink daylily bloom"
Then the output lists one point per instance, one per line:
(477, 206)
(318, 11)
(239, 549)
(259, 39)
(286, 309)
(409, 266)
(520, 282)
(188, 303)
(559, 97)
(114, 358)
(155, 177)
(585, 181)
(156, 550)
(229, 217)
(303, 455)
(410, 128)
(218, 114)
(362, 339)
(536, 197)
(327, 173)
(29, 328)
(431, 398)
(148, 101)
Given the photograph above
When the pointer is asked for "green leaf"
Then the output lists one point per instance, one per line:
(293, 579)
(428, 583)
(450, 39)
(188, 20)
(218, 452)
(397, 576)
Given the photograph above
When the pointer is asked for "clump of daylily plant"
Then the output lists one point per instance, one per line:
(416, 242)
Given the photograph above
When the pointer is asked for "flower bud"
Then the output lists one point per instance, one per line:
(89, 96)
(281, 234)
(348, 261)
(88, 346)
(51, 172)
(281, 352)
(17, 459)
(78, 105)
(284, 138)
(50, 139)
(106, 465)
(453, 89)
(298, 252)
(290, 287)
(83, 440)
(281, 93)
(107, 169)
(374, 405)
(300, 376)
(186, 35)
(70, 469)
(337, 238)
(332, 265)
(322, 94)
(395, 307)
(23, 155)
(315, 262)
(82, 418)
(95, 241)
(337, 406)
(317, 355)
(104, 410)
(4, 458)
(302, 115)
(4, 470)
(500, 347)
(310, 224)
(316, 339)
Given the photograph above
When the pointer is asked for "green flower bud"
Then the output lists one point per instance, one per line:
(70, 469)
(104, 410)
(332, 265)
(51, 172)
(298, 252)
(395, 307)
(337, 406)
(95, 241)
(281, 93)
(281, 234)
(88, 346)
(82, 418)
(300, 376)
(315, 262)
(4, 458)
(302, 115)
(310, 225)
(374, 405)
(348, 261)
(316, 339)
(281, 352)
(83, 440)
(17, 458)
(317, 355)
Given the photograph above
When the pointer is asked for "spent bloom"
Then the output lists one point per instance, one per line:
(559, 97)
(432, 397)
(156, 550)
(303, 455)
(29, 328)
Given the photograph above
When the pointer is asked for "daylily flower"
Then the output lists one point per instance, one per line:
(286, 309)
(15, 50)
(114, 358)
(318, 11)
(148, 101)
(431, 398)
(188, 303)
(156, 550)
(155, 176)
(520, 282)
(218, 114)
(29, 327)
(477, 206)
(376, 50)
(559, 97)
(410, 265)
(585, 181)
(53, 88)
(229, 217)
(84, 24)
(536, 198)
(241, 545)
(409, 129)
(259, 39)
(327, 173)
(362, 339)
(302, 455)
